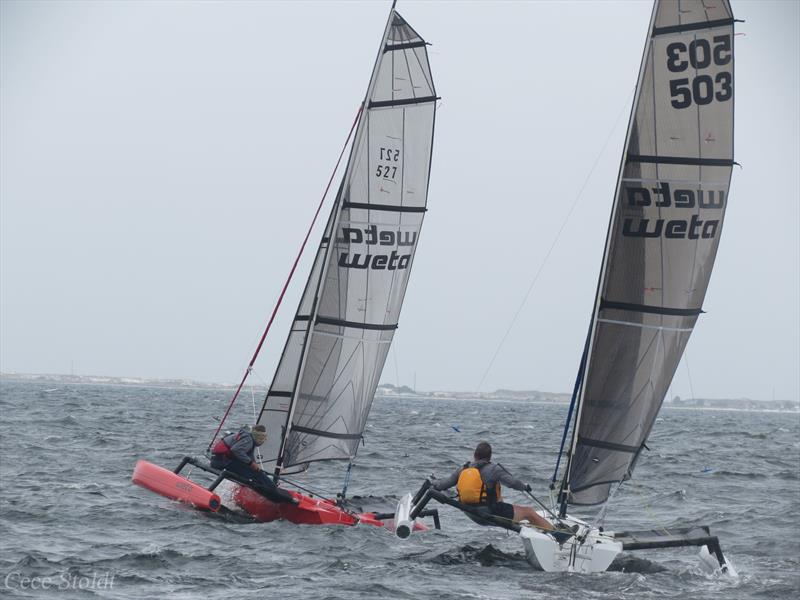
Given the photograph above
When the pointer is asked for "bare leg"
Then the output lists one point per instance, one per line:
(528, 513)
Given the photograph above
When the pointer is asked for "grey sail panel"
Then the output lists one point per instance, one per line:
(275, 410)
(325, 383)
(663, 238)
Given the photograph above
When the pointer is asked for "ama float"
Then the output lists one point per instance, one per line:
(665, 225)
(323, 387)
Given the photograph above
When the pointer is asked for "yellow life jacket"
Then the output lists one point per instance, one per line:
(472, 490)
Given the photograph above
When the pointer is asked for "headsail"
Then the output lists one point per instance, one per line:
(318, 403)
(663, 236)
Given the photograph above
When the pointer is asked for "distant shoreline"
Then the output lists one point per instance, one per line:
(388, 391)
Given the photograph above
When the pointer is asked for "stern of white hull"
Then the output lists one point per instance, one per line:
(588, 551)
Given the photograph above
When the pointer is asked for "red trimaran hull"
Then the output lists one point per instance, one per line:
(309, 511)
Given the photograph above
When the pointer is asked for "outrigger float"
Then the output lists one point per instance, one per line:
(317, 405)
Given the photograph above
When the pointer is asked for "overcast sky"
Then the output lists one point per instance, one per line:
(160, 162)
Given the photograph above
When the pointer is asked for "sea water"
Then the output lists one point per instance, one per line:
(73, 526)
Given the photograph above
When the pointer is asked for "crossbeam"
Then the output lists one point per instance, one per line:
(673, 538)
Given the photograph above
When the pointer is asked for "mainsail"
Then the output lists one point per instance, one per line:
(323, 388)
(663, 236)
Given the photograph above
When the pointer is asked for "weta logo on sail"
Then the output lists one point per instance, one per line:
(662, 197)
(372, 236)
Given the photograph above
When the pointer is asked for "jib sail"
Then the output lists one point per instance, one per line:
(663, 236)
(318, 403)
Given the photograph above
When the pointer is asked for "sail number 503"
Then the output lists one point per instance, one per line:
(702, 89)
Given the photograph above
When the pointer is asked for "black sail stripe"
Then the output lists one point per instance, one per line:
(385, 207)
(327, 434)
(606, 445)
(646, 308)
(403, 102)
(590, 486)
(280, 394)
(355, 324)
(393, 47)
(692, 26)
(681, 160)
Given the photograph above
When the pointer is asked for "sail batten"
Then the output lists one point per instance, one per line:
(664, 231)
(350, 308)
(681, 160)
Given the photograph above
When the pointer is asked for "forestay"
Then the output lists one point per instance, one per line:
(322, 391)
(663, 236)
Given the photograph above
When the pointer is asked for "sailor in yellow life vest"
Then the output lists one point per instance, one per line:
(478, 484)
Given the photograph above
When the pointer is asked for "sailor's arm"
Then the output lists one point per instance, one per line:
(508, 480)
(447, 482)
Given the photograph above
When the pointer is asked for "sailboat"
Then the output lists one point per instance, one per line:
(664, 231)
(323, 387)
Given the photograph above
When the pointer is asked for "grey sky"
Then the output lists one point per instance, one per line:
(161, 161)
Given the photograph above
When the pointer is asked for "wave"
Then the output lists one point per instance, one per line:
(628, 563)
(737, 474)
(485, 555)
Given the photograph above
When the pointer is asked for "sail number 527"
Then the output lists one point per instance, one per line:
(391, 155)
(702, 89)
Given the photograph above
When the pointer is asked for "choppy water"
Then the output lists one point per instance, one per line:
(69, 512)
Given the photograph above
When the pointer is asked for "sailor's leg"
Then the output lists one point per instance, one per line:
(267, 488)
(218, 462)
(529, 514)
(237, 467)
(261, 482)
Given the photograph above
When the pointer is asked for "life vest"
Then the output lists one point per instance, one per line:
(472, 490)
(222, 449)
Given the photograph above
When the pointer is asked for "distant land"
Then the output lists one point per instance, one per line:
(387, 390)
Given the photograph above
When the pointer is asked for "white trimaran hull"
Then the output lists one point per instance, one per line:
(576, 546)
(588, 551)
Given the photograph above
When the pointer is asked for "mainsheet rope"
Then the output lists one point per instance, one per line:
(288, 279)
(546, 258)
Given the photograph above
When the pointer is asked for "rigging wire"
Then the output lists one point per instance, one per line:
(396, 369)
(311, 491)
(288, 279)
(346, 483)
(253, 397)
(601, 516)
(688, 372)
(259, 458)
(646, 506)
(625, 108)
